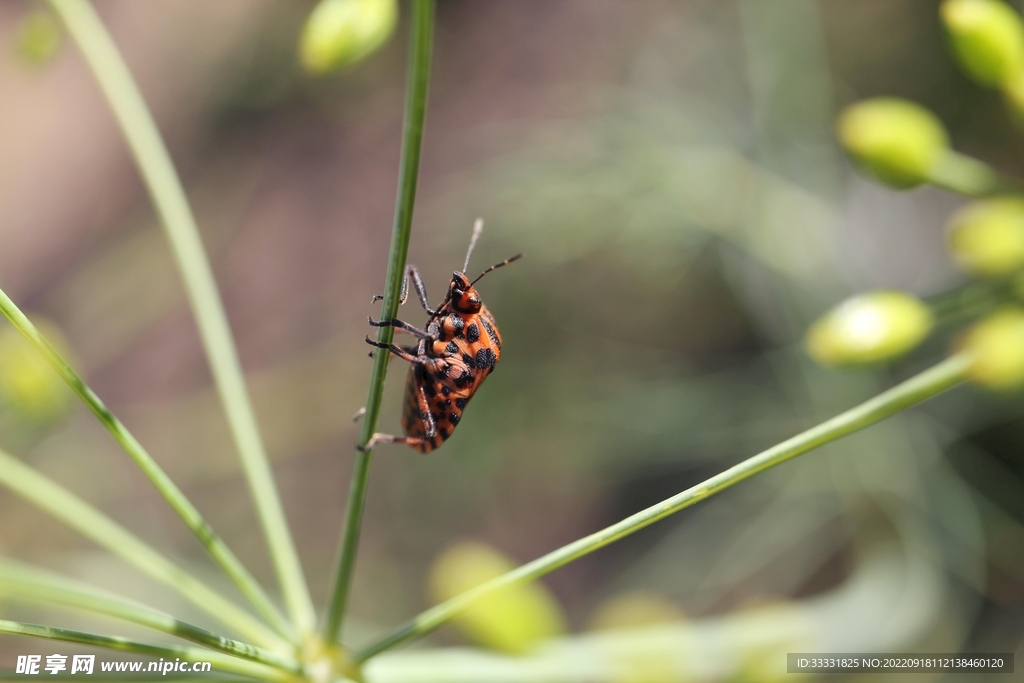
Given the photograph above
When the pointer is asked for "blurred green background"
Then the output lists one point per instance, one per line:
(670, 169)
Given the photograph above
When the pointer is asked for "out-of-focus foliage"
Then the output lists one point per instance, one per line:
(635, 609)
(29, 387)
(512, 620)
(39, 37)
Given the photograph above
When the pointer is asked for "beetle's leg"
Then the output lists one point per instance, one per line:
(423, 406)
(399, 325)
(403, 353)
(402, 298)
(411, 272)
(379, 438)
(359, 414)
(421, 290)
(424, 403)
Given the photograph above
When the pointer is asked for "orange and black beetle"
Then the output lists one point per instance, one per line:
(456, 352)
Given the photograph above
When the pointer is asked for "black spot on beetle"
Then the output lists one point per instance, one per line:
(452, 347)
(429, 389)
(443, 433)
(454, 418)
(462, 379)
(440, 405)
(491, 333)
(472, 333)
(460, 403)
(446, 390)
(468, 360)
(457, 325)
(485, 358)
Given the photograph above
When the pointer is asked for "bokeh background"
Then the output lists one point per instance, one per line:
(671, 172)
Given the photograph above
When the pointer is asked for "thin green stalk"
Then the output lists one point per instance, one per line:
(168, 196)
(220, 552)
(170, 653)
(933, 381)
(418, 81)
(965, 175)
(23, 582)
(54, 499)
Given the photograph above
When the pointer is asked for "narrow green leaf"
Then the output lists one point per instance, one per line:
(23, 582)
(54, 499)
(417, 85)
(220, 552)
(154, 163)
(218, 661)
(925, 385)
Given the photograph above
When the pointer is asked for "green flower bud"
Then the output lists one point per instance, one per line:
(895, 140)
(28, 385)
(511, 620)
(996, 348)
(987, 237)
(38, 37)
(869, 328)
(340, 33)
(987, 38)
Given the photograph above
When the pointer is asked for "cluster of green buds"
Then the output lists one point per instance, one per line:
(341, 33)
(904, 145)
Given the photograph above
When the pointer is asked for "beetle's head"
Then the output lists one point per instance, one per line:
(462, 295)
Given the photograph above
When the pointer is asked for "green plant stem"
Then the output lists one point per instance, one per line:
(54, 499)
(973, 300)
(933, 381)
(168, 196)
(965, 175)
(23, 582)
(220, 552)
(418, 81)
(191, 654)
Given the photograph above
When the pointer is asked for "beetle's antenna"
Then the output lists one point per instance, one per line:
(496, 266)
(478, 227)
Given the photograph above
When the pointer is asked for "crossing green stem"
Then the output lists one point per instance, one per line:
(168, 196)
(220, 552)
(218, 661)
(967, 176)
(65, 506)
(933, 381)
(418, 80)
(24, 582)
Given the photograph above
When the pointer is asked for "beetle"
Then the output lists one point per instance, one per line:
(455, 353)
